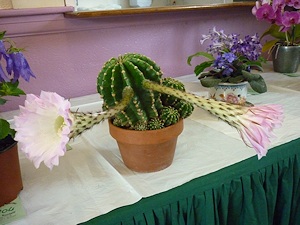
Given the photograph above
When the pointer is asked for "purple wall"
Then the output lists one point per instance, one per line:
(66, 54)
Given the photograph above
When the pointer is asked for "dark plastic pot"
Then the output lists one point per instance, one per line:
(10, 173)
(286, 59)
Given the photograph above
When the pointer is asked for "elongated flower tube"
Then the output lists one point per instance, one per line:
(255, 124)
(46, 124)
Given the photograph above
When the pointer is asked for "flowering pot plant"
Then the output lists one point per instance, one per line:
(230, 60)
(284, 17)
(16, 67)
(135, 95)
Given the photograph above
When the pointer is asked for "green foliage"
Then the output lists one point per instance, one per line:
(5, 129)
(10, 89)
(204, 54)
(288, 38)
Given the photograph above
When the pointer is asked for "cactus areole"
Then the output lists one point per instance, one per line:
(148, 108)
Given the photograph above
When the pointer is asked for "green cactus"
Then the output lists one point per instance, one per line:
(155, 124)
(169, 115)
(169, 100)
(132, 70)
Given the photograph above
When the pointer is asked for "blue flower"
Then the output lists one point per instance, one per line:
(224, 62)
(3, 77)
(17, 64)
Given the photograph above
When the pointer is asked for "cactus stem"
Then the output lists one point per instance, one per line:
(227, 112)
(84, 121)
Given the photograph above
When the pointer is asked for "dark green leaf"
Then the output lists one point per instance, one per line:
(200, 68)
(236, 79)
(269, 45)
(210, 82)
(258, 85)
(11, 89)
(274, 32)
(250, 76)
(204, 54)
(4, 128)
(297, 34)
(2, 101)
(2, 34)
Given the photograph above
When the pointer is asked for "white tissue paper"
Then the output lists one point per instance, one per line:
(91, 5)
(140, 3)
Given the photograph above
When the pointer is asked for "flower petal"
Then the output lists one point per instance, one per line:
(39, 134)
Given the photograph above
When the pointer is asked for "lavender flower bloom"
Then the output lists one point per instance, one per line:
(224, 61)
(250, 47)
(17, 64)
(220, 41)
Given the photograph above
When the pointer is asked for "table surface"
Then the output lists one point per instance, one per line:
(91, 180)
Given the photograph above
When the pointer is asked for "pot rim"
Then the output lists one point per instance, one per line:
(9, 147)
(169, 132)
(232, 84)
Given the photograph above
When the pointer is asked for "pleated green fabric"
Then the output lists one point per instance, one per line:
(252, 192)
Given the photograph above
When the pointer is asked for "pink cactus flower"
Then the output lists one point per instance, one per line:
(42, 128)
(257, 126)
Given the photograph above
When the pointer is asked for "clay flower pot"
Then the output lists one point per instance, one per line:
(10, 173)
(147, 151)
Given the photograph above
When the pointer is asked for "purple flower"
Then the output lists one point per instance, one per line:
(266, 12)
(3, 77)
(289, 19)
(2, 49)
(224, 62)
(229, 57)
(294, 3)
(250, 47)
(17, 64)
(278, 5)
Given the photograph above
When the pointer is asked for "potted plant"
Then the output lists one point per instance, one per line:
(16, 67)
(284, 17)
(228, 68)
(135, 94)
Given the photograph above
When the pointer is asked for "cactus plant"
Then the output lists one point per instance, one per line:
(147, 106)
(136, 97)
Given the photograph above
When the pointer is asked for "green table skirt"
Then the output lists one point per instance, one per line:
(251, 192)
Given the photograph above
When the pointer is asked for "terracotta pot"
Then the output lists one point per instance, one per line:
(10, 172)
(147, 151)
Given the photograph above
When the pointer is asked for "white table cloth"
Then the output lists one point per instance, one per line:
(92, 180)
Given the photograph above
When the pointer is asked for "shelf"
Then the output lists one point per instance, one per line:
(35, 11)
(151, 10)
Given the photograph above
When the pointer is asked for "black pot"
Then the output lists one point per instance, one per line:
(7, 143)
(286, 59)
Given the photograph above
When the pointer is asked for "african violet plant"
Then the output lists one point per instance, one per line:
(16, 67)
(136, 97)
(230, 60)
